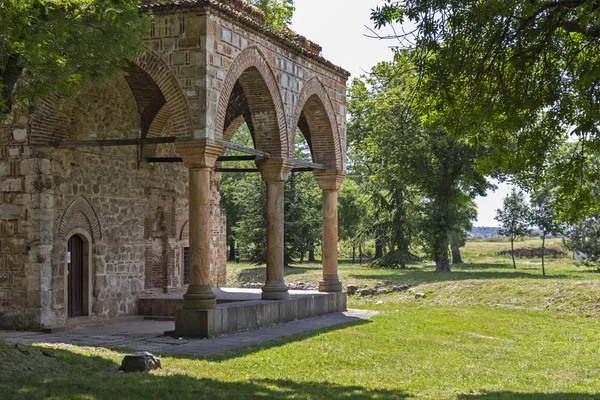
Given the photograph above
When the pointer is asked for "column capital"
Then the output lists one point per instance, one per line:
(275, 169)
(201, 153)
(329, 180)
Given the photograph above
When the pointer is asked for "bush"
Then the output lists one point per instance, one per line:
(585, 240)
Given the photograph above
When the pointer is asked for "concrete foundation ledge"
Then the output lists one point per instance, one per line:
(249, 315)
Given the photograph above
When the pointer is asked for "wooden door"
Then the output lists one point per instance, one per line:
(75, 280)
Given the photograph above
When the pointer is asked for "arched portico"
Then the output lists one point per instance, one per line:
(250, 91)
(315, 118)
(249, 94)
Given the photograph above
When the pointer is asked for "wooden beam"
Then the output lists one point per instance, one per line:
(164, 160)
(236, 158)
(114, 142)
(254, 170)
(247, 150)
(159, 160)
(307, 164)
(236, 170)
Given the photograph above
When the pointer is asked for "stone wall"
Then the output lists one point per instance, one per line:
(227, 38)
(119, 204)
(200, 48)
(19, 270)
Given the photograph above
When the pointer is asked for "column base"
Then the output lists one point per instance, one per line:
(330, 285)
(275, 290)
(199, 298)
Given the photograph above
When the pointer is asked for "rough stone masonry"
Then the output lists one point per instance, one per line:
(208, 67)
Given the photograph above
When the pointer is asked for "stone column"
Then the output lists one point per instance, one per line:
(199, 157)
(275, 173)
(330, 184)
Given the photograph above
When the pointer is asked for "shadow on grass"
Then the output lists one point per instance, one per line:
(259, 274)
(90, 376)
(245, 351)
(459, 273)
(529, 396)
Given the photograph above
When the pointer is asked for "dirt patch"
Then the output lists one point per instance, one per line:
(535, 252)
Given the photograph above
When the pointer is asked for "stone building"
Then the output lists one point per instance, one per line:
(88, 224)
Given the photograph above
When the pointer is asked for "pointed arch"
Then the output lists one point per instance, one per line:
(153, 86)
(164, 79)
(78, 214)
(315, 117)
(250, 90)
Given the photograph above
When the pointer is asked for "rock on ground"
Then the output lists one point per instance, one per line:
(140, 362)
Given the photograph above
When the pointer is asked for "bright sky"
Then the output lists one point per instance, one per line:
(339, 26)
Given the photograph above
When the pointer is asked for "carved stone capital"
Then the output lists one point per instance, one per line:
(275, 169)
(201, 153)
(329, 180)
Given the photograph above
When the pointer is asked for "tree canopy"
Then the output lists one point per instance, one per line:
(421, 177)
(278, 13)
(49, 47)
(526, 73)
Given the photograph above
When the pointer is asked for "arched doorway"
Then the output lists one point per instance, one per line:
(75, 281)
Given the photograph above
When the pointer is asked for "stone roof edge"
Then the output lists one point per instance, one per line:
(238, 15)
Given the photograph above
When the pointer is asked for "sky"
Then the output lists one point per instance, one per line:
(340, 27)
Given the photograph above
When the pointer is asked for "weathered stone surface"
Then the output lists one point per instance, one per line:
(135, 223)
(351, 289)
(10, 211)
(20, 135)
(140, 362)
(366, 292)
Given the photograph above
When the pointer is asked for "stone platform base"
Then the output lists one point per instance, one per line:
(242, 310)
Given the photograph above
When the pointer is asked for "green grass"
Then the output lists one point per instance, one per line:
(484, 331)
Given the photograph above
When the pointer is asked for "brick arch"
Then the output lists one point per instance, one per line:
(250, 71)
(315, 117)
(129, 100)
(52, 116)
(233, 127)
(50, 120)
(164, 79)
(72, 218)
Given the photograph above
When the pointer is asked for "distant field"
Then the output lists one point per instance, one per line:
(484, 331)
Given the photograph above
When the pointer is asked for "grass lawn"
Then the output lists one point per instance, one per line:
(485, 331)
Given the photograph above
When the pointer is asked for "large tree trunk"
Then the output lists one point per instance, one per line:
(378, 249)
(442, 260)
(543, 250)
(456, 257)
(512, 251)
(442, 263)
(360, 254)
(311, 254)
(231, 250)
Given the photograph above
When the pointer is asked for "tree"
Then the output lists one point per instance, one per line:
(351, 211)
(585, 240)
(421, 175)
(527, 71)
(513, 218)
(278, 13)
(53, 47)
(466, 213)
(243, 195)
(543, 215)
